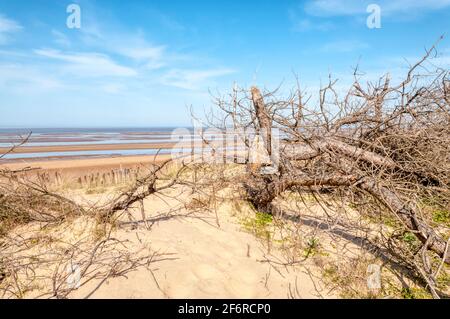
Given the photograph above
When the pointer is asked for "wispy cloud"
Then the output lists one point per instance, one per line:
(22, 78)
(329, 8)
(97, 36)
(88, 64)
(107, 64)
(193, 79)
(299, 23)
(131, 45)
(158, 63)
(151, 57)
(7, 27)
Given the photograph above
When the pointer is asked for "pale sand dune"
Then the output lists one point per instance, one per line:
(204, 261)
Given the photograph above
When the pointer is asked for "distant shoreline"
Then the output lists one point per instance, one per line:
(84, 165)
(87, 147)
(54, 144)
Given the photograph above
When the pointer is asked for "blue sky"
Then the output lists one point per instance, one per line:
(142, 63)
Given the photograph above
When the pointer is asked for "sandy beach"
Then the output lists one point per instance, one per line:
(70, 171)
(203, 255)
(87, 147)
(77, 152)
(84, 164)
(203, 258)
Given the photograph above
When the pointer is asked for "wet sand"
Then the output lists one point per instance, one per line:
(87, 147)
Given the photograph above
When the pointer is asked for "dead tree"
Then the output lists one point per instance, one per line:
(387, 142)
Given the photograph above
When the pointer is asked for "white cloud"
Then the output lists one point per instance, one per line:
(302, 24)
(329, 8)
(152, 57)
(110, 65)
(150, 53)
(132, 45)
(7, 26)
(192, 79)
(22, 78)
(88, 64)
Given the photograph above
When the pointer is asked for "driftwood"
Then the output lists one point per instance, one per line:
(387, 143)
(141, 189)
(263, 192)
